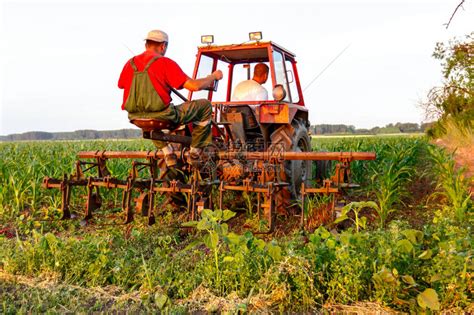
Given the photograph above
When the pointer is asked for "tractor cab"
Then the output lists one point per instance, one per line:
(251, 120)
(237, 62)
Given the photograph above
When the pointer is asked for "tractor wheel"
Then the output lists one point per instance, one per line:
(323, 170)
(176, 200)
(292, 138)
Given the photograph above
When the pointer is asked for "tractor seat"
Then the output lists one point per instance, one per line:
(151, 124)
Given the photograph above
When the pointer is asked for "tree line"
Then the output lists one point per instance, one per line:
(74, 135)
(136, 133)
(325, 129)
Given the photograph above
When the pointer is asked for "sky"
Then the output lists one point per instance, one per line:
(60, 60)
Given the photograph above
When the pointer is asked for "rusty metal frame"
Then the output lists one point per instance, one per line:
(263, 181)
(340, 179)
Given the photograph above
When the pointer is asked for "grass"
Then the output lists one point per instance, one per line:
(22, 294)
(413, 254)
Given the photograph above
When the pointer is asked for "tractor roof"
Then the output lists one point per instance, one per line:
(245, 52)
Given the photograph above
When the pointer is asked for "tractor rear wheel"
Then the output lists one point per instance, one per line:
(292, 138)
(323, 170)
(175, 200)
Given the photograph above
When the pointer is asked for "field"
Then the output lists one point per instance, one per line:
(404, 244)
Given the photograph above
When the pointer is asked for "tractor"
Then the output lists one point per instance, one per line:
(261, 148)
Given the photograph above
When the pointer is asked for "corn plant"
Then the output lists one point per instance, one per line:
(392, 176)
(451, 182)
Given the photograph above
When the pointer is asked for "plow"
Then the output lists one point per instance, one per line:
(260, 148)
(260, 180)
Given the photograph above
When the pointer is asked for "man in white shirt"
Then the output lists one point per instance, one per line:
(252, 90)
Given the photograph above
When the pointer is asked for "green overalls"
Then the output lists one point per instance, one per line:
(144, 102)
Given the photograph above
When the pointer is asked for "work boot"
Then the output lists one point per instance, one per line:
(170, 157)
(194, 156)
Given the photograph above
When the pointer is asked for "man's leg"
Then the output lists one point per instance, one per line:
(199, 112)
(159, 144)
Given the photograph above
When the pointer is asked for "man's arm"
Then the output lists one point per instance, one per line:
(123, 76)
(202, 83)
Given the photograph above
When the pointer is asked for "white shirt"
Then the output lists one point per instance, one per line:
(249, 90)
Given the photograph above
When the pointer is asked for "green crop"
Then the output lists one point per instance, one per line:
(404, 242)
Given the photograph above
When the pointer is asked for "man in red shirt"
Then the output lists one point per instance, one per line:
(147, 80)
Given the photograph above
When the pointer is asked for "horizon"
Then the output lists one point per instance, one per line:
(72, 84)
(133, 127)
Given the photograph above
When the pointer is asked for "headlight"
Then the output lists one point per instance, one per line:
(207, 39)
(255, 36)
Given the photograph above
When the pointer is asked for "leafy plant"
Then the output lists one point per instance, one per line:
(451, 183)
(213, 223)
(355, 208)
(391, 178)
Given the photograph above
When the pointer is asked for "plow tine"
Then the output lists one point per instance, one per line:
(94, 201)
(65, 198)
(64, 187)
(271, 212)
(221, 195)
(193, 197)
(126, 202)
(269, 208)
(303, 198)
(151, 203)
(89, 206)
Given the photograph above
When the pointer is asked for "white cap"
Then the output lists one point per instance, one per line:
(157, 36)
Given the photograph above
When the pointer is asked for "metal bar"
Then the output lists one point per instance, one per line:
(161, 136)
(322, 190)
(121, 154)
(245, 188)
(49, 183)
(108, 185)
(282, 155)
(172, 189)
(306, 156)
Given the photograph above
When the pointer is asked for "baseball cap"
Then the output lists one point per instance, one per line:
(157, 36)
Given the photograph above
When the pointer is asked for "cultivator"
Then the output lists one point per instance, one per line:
(219, 171)
(261, 148)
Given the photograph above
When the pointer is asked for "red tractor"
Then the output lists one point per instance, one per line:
(262, 148)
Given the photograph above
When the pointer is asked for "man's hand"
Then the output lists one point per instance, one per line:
(217, 75)
(203, 83)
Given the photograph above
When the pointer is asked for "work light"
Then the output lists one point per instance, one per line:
(207, 39)
(255, 36)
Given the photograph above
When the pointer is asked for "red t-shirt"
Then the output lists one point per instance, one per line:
(163, 73)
